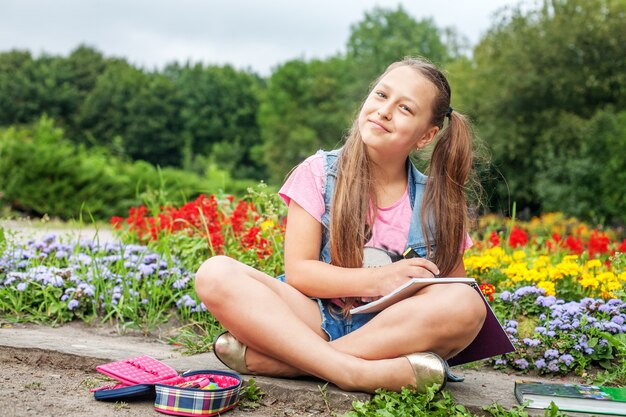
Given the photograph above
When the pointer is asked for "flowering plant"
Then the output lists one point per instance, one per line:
(250, 229)
(554, 336)
(585, 263)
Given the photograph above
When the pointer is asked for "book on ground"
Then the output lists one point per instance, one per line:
(491, 340)
(572, 397)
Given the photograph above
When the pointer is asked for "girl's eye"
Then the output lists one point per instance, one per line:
(381, 94)
(406, 108)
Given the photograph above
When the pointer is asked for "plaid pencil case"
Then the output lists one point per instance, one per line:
(194, 393)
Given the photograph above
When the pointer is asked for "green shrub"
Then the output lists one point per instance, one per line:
(43, 173)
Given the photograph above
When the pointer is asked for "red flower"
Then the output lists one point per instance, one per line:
(488, 290)
(574, 244)
(494, 239)
(117, 222)
(622, 247)
(253, 240)
(598, 243)
(518, 237)
(239, 216)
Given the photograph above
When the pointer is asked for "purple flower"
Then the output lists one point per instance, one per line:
(611, 327)
(608, 309)
(551, 354)
(21, 286)
(150, 258)
(528, 290)
(201, 308)
(546, 301)
(146, 270)
(531, 342)
(500, 361)
(521, 363)
(553, 366)
(49, 238)
(618, 320)
(540, 330)
(540, 363)
(72, 304)
(186, 300)
(505, 296)
(180, 284)
(566, 359)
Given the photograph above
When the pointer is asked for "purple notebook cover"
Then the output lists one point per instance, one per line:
(492, 340)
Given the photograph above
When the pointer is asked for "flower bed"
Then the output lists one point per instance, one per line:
(555, 283)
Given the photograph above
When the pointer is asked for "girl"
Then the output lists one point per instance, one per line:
(367, 193)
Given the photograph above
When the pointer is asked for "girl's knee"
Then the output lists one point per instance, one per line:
(212, 276)
(475, 307)
(466, 307)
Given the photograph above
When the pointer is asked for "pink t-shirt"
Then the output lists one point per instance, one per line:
(305, 184)
(391, 226)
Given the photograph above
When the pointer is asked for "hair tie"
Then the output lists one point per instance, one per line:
(449, 113)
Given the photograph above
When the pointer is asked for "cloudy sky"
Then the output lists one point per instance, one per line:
(248, 34)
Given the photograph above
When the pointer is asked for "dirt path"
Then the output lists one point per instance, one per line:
(23, 230)
(42, 383)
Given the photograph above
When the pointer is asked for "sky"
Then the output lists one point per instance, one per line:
(247, 34)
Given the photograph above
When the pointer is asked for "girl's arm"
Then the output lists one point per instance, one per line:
(305, 272)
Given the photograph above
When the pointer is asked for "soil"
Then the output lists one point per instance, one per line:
(42, 383)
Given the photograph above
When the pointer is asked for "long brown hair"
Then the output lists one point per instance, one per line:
(444, 205)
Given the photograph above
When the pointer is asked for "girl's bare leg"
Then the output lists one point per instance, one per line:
(261, 312)
(442, 318)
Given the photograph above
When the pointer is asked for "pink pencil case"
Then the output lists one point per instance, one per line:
(144, 377)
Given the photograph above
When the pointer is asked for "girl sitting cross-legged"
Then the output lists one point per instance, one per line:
(342, 203)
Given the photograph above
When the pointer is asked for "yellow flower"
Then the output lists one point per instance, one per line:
(267, 224)
(496, 252)
(517, 272)
(593, 263)
(542, 262)
(589, 281)
(567, 268)
(518, 255)
(482, 263)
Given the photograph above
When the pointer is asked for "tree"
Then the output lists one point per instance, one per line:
(304, 109)
(385, 36)
(219, 113)
(135, 114)
(537, 67)
(49, 84)
(18, 101)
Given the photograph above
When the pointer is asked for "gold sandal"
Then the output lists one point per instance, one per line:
(231, 352)
(428, 369)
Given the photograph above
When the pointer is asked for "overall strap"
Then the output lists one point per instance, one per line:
(330, 174)
(416, 188)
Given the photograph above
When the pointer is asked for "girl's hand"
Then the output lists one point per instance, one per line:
(393, 275)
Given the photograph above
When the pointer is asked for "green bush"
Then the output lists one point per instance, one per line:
(43, 173)
(584, 171)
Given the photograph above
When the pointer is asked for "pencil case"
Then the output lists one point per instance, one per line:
(144, 377)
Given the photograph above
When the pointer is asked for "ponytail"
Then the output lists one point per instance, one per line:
(444, 202)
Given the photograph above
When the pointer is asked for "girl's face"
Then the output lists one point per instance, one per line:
(396, 116)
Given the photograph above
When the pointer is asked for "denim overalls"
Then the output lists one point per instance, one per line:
(333, 323)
